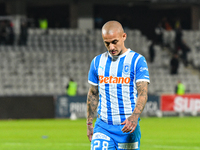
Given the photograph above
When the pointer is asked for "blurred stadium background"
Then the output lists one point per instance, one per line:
(34, 72)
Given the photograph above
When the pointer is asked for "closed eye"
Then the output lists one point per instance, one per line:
(107, 43)
(114, 42)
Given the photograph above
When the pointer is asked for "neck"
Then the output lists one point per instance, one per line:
(123, 51)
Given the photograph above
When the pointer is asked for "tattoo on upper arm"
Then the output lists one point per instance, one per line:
(92, 102)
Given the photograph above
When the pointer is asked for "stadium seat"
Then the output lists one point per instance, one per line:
(44, 66)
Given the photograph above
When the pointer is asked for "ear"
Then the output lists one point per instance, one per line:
(124, 36)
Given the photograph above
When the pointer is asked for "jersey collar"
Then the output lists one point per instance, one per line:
(120, 56)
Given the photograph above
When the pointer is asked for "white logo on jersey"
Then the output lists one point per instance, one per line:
(100, 67)
(143, 68)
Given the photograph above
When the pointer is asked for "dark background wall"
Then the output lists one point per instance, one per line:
(134, 14)
(57, 15)
(144, 18)
(18, 107)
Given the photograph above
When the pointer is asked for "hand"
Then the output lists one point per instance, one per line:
(90, 132)
(130, 124)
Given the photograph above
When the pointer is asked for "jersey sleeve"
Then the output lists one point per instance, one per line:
(142, 72)
(92, 75)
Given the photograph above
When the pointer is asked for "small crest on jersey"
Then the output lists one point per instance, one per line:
(126, 68)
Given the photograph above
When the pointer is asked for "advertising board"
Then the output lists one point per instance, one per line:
(185, 103)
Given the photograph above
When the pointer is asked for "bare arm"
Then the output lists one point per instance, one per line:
(142, 88)
(92, 103)
(131, 122)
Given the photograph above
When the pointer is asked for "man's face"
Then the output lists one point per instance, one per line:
(114, 42)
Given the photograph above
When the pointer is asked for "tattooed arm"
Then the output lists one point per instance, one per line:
(92, 103)
(131, 122)
(142, 88)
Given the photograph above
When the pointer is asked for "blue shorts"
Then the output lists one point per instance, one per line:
(111, 137)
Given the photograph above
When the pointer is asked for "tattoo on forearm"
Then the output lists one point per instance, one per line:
(134, 118)
(92, 102)
(142, 88)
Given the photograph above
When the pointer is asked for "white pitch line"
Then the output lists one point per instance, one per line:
(19, 144)
(88, 144)
(176, 147)
(79, 144)
(168, 140)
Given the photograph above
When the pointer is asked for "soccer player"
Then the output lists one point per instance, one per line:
(119, 83)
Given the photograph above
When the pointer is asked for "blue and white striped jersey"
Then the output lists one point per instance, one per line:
(116, 80)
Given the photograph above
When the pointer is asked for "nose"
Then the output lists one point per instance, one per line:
(111, 46)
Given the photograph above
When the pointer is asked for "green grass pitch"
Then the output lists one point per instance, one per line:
(168, 133)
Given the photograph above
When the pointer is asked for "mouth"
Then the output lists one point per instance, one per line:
(113, 52)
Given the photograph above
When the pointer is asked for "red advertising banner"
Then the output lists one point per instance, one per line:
(177, 103)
